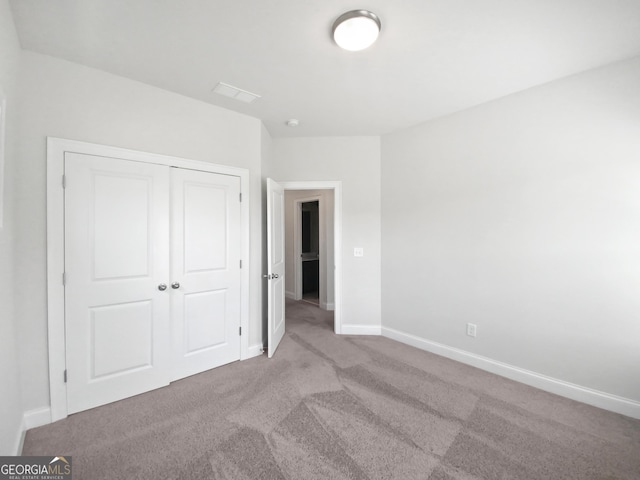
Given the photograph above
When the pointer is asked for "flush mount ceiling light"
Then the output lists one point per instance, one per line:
(356, 30)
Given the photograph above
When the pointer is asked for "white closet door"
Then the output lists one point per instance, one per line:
(205, 266)
(116, 257)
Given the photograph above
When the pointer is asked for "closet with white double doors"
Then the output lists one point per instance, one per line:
(152, 275)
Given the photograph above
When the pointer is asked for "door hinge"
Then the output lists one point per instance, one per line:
(240, 197)
(65, 376)
(240, 263)
(240, 331)
(64, 181)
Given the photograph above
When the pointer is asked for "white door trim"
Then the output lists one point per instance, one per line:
(56, 148)
(297, 243)
(336, 186)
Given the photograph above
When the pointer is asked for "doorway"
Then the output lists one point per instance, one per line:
(328, 194)
(310, 251)
(309, 246)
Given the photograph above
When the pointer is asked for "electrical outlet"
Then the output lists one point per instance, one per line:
(358, 252)
(471, 329)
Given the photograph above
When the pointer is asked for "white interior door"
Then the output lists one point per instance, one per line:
(275, 262)
(116, 259)
(205, 270)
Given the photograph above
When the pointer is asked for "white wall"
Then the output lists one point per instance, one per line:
(62, 99)
(523, 216)
(356, 162)
(326, 243)
(11, 405)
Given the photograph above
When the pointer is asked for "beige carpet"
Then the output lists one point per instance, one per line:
(344, 408)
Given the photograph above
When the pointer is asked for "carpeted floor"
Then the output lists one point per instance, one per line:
(344, 407)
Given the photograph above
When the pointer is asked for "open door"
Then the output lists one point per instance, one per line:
(275, 264)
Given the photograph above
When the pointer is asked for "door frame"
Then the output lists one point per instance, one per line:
(336, 186)
(297, 246)
(56, 149)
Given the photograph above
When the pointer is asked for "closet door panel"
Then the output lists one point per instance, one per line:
(205, 266)
(116, 255)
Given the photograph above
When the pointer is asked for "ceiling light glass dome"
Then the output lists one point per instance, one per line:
(356, 30)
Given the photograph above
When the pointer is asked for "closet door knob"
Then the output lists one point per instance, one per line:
(162, 287)
(175, 285)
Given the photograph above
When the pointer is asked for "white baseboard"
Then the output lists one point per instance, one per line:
(607, 401)
(361, 330)
(31, 419)
(37, 418)
(254, 351)
(290, 295)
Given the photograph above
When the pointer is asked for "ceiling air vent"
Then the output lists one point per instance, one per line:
(235, 92)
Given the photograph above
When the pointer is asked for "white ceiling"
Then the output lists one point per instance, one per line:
(433, 57)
